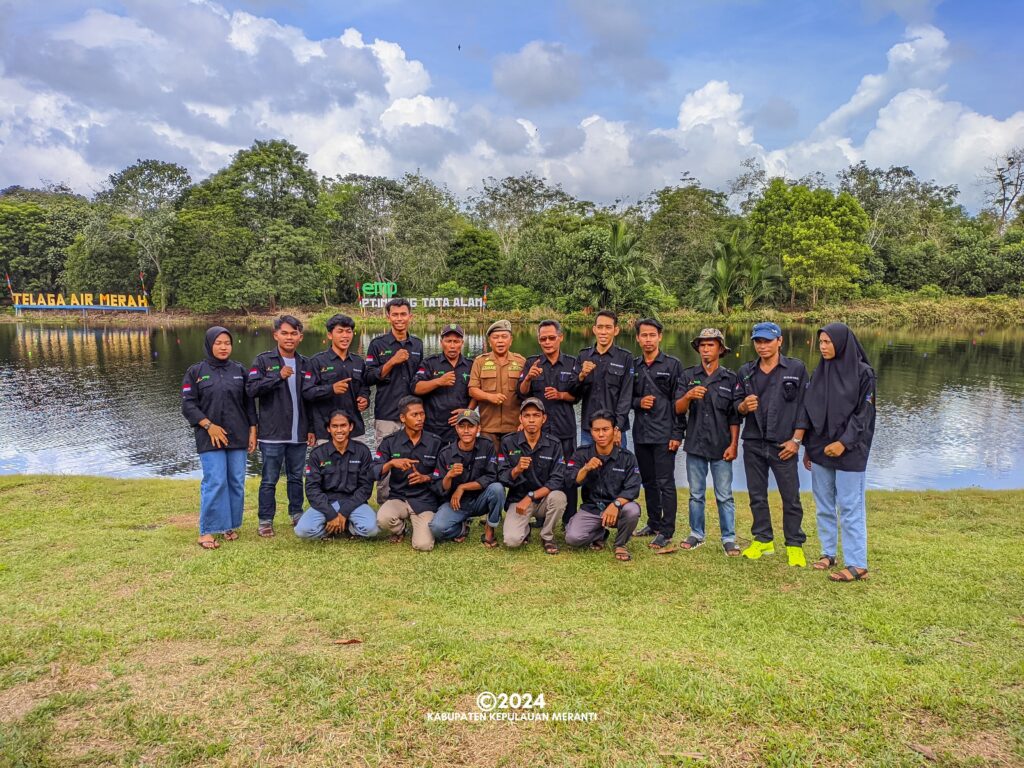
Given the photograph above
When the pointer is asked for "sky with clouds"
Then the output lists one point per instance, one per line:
(611, 99)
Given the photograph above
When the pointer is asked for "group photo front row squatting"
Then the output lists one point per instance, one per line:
(496, 437)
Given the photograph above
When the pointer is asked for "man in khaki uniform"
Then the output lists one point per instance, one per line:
(493, 383)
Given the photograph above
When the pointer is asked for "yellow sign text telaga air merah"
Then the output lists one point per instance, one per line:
(80, 300)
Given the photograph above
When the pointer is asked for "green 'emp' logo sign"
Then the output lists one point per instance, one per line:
(386, 290)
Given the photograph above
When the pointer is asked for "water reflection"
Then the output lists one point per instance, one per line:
(105, 402)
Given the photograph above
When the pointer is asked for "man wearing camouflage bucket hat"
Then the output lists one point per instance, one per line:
(712, 437)
(443, 383)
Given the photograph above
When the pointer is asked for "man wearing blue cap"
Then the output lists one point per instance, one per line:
(770, 395)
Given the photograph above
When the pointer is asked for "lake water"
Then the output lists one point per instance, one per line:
(100, 401)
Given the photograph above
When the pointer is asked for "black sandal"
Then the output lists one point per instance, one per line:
(853, 573)
(597, 546)
(489, 543)
(823, 563)
(550, 548)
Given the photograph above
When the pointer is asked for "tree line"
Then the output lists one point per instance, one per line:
(267, 231)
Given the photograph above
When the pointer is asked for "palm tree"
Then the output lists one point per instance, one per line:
(722, 276)
(762, 280)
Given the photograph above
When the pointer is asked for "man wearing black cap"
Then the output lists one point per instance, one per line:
(334, 381)
(531, 465)
(657, 429)
(553, 377)
(770, 392)
(466, 478)
(712, 437)
(443, 383)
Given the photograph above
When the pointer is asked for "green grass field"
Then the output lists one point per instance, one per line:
(123, 643)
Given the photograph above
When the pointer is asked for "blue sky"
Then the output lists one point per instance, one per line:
(610, 99)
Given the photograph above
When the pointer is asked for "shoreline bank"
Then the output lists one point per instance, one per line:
(909, 313)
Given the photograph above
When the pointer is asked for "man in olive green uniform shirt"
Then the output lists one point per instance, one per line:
(493, 383)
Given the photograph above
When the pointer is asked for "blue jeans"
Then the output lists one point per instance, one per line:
(840, 503)
(222, 491)
(697, 478)
(586, 439)
(362, 522)
(447, 523)
(293, 457)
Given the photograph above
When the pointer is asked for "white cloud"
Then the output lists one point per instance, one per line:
(193, 83)
(539, 74)
(915, 62)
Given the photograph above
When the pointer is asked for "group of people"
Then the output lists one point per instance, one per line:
(496, 437)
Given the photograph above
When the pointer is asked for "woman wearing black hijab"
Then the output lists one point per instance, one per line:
(213, 400)
(839, 416)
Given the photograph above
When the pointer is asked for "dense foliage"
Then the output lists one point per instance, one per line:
(267, 231)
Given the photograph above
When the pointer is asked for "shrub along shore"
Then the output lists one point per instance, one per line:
(904, 312)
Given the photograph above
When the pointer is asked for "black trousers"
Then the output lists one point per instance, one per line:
(571, 491)
(758, 457)
(657, 471)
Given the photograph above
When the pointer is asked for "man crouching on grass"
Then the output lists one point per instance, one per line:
(339, 480)
(610, 481)
(466, 476)
(407, 458)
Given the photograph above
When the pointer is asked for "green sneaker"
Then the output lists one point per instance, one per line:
(796, 557)
(759, 548)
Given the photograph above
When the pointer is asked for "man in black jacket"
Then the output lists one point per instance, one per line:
(391, 364)
(408, 458)
(334, 381)
(442, 381)
(712, 437)
(769, 391)
(532, 466)
(466, 480)
(606, 378)
(284, 432)
(339, 480)
(609, 479)
(657, 429)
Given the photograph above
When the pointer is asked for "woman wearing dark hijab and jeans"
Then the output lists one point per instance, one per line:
(839, 416)
(213, 400)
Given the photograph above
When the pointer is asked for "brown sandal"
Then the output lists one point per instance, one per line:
(622, 555)
(210, 543)
(230, 535)
(823, 563)
(849, 573)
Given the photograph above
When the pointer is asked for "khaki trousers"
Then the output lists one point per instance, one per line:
(393, 515)
(549, 510)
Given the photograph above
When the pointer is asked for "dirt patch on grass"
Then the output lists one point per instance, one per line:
(184, 521)
(17, 701)
(991, 747)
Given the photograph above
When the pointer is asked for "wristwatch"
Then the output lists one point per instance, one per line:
(529, 495)
(618, 504)
(797, 440)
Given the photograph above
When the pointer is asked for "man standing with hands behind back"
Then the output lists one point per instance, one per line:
(493, 384)
(770, 390)
(657, 430)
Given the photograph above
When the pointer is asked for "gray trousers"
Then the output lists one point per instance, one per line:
(548, 510)
(382, 429)
(585, 527)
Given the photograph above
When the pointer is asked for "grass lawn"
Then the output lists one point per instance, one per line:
(123, 643)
